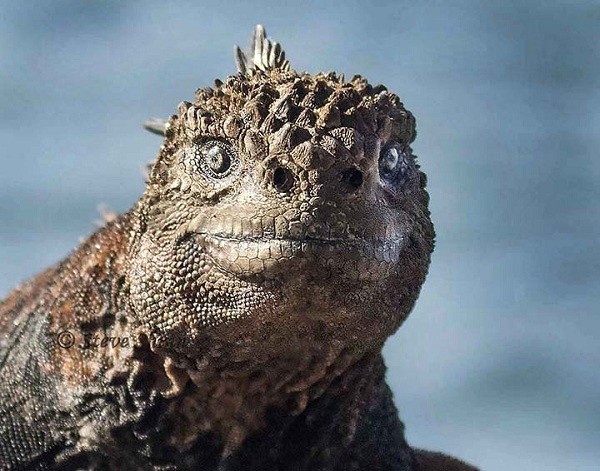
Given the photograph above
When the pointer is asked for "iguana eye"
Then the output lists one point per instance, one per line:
(216, 158)
(389, 160)
(394, 163)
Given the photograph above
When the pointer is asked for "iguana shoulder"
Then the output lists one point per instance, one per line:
(43, 368)
(434, 461)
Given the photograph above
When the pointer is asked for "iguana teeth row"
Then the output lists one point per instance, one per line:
(229, 223)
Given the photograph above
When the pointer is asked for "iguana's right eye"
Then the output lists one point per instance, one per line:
(216, 159)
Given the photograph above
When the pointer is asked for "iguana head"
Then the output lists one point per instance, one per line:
(285, 208)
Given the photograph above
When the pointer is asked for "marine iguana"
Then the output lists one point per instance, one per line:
(233, 319)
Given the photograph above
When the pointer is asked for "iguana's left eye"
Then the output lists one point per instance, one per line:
(216, 158)
(389, 161)
(395, 164)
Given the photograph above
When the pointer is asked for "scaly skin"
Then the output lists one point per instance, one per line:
(283, 236)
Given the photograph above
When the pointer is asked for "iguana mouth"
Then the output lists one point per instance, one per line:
(271, 238)
(270, 256)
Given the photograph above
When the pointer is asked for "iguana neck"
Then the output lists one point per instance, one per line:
(234, 399)
(262, 422)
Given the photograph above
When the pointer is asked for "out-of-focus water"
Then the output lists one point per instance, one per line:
(499, 362)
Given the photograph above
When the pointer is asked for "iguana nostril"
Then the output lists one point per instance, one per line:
(352, 178)
(283, 179)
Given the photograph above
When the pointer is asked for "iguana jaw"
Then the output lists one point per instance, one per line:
(270, 257)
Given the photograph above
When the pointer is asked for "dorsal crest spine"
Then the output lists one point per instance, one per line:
(263, 55)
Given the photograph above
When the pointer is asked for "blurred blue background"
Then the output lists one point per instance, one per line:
(499, 362)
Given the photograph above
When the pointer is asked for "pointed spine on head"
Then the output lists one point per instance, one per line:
(264, 55)
(157, 126)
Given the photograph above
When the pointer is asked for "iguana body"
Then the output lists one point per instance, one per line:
(282, 237)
